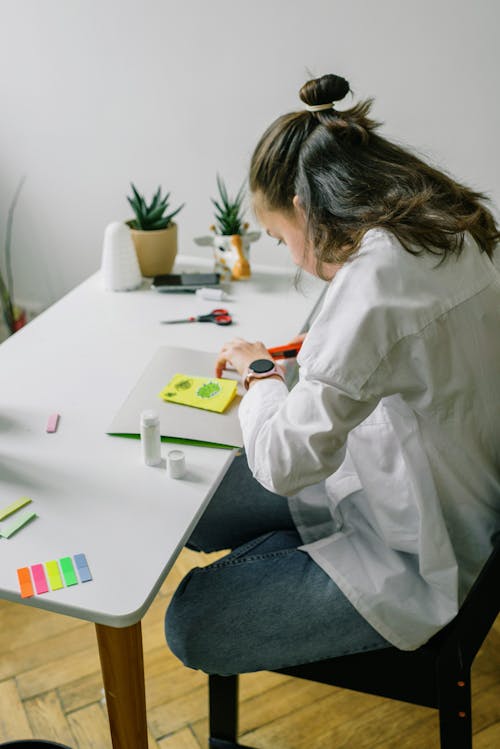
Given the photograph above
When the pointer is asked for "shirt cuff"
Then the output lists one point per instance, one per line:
(259, 403)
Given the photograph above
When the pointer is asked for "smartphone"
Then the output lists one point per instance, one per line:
(185, 281)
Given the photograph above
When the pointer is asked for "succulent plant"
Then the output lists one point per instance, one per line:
(150, 217)
(229, 213)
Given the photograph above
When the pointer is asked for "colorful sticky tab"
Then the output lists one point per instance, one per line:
(68, 571)
(52, 423)
(54, 575)
(82, 567)
(14, 507)
(38, 573)
(21, 521)
(23, 575)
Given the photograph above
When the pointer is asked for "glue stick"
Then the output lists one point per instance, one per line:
(212, 294)
(150, 438)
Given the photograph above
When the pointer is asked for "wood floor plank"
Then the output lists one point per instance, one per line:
(263, 706)
(53, 673)
(28, 624)
(171, 716)
(29, 655)
(180, 711)
(90, 728)
(299, 725)
(14, 722)
(489, 738)
(81, 692)
(183, 739)
(48, 720)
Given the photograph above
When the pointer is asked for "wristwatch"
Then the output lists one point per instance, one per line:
(259, 369)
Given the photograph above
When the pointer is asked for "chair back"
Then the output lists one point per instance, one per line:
(479, 610)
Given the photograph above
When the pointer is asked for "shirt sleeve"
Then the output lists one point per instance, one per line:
(296, 439)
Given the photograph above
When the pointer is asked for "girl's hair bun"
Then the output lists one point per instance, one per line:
(324, 90)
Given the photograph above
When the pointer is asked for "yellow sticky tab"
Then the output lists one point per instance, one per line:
(210, 393)
(54, 575)
(14, 507)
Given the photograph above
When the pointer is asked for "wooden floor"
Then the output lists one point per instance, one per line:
(50, 688)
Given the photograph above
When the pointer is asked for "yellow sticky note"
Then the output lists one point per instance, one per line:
(210, 393)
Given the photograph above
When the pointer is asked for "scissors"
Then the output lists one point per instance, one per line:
(218, 316)
(288, 351)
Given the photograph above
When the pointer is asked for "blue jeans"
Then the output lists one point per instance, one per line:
(266, 604)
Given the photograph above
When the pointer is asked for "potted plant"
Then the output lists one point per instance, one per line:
(14, 316)
(153, 232)
(231, 239)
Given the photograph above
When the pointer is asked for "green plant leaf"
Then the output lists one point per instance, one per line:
(135, 207)
(157, 213)
(228, 211)
(151, 217)
(174, 213)
(155, 200)
(156, 225)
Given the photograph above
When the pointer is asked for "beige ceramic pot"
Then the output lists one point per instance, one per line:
(156, 250)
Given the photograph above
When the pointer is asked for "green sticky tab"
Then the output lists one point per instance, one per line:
(21, 521)
(14, 507)
(54, 575)
(68, 571)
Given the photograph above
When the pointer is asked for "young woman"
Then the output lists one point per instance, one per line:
(372, 491)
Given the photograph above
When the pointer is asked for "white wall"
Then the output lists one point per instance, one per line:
(96, 93)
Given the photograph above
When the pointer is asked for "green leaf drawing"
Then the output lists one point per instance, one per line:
(183, 384)
(208, 390)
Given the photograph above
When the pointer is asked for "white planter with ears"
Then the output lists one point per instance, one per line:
(231, 253)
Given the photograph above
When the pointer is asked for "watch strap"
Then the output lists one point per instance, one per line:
(252, 375)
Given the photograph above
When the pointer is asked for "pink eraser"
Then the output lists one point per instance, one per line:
(39, 577)
(52, 422)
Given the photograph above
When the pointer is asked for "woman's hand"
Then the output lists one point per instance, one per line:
(239, 354)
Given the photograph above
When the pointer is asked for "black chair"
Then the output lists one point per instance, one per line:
(436, 675)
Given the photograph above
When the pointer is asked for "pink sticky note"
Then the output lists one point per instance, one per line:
(39, 577)
(52, 422)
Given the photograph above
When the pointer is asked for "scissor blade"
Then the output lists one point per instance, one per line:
(175, 322)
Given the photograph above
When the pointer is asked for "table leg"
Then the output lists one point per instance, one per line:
(122, 666)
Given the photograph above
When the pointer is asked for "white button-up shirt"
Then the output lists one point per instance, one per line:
(388, 447)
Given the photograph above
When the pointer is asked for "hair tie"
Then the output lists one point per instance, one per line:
(319, 107)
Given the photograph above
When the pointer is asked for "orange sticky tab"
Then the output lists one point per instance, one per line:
(25, 584)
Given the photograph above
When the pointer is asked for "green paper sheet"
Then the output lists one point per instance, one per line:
(19, 523)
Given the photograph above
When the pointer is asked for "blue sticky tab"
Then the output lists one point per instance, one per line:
(84, 574)
(82, 568)
(80, 560)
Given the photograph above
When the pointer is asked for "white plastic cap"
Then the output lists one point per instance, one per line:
(149, 418)
(176, 464)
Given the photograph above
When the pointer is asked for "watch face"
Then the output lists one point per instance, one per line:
(260, 366)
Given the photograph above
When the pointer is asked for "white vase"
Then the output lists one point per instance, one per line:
(120, 267)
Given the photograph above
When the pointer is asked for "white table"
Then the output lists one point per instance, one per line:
(91, 491)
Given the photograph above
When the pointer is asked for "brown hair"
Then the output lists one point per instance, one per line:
(349, 180)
